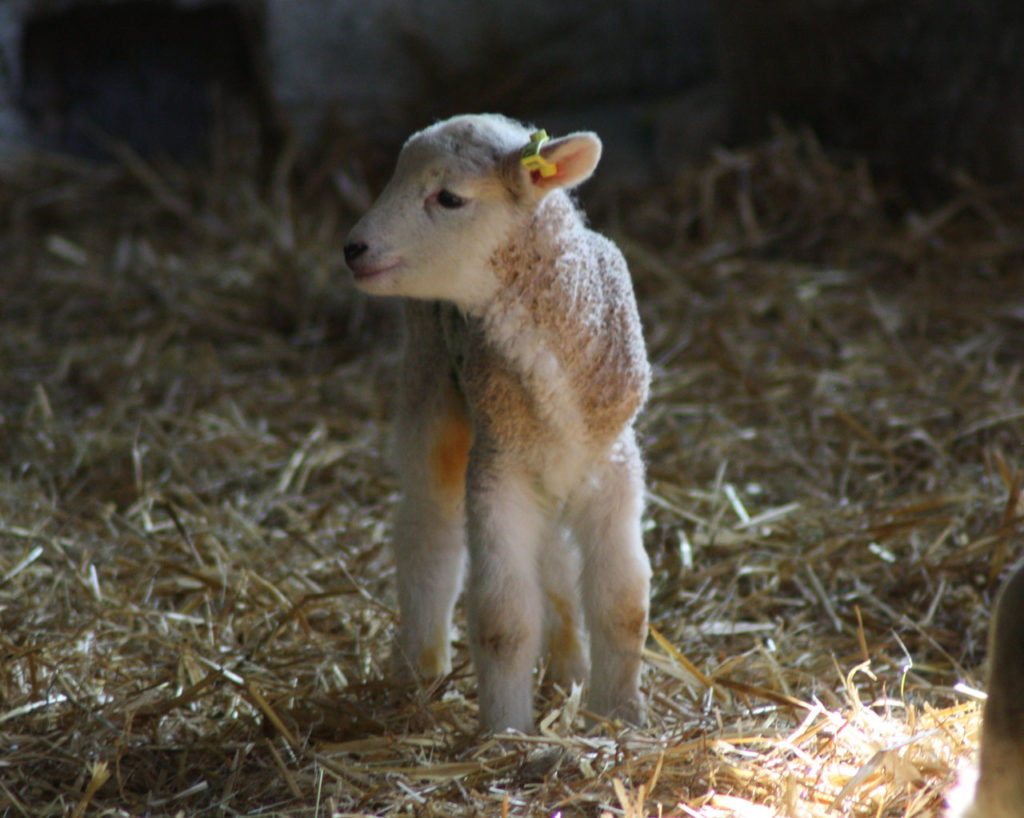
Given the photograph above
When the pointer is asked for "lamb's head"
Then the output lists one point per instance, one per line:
(459, 190)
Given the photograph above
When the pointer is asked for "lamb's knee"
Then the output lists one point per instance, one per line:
(499, 643)
(620, 616)
(499, 638)
(503, 625)
(627, 621)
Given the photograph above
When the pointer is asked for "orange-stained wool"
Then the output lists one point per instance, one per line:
(449, 455)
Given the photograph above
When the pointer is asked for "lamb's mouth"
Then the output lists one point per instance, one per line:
(366, 273)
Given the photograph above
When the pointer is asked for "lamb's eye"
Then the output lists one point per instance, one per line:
(449, 200)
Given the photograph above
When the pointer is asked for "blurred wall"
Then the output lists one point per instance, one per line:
(381, 67)
(918, 85)
(152, 75)
(396, 63)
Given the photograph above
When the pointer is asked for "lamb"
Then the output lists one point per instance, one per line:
(524, 369)
(998, 791)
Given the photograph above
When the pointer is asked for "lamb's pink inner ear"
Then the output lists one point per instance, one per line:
(575, 158)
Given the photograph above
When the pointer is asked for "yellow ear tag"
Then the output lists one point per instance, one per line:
(531, 158)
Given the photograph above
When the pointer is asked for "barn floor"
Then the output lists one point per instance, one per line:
(196, 595)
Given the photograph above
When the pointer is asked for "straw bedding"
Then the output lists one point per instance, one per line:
(196, 599)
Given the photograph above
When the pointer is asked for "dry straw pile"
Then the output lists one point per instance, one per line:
(195, 588)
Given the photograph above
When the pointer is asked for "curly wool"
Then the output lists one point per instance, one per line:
(564, 318)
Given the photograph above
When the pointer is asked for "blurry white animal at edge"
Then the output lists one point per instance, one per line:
(995, 788)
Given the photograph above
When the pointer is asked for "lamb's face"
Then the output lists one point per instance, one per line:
(445, 211)
(458, 193)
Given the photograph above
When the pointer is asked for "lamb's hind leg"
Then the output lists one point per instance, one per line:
(565, 634)
(616, 580)
(429, 539)
(506, 522)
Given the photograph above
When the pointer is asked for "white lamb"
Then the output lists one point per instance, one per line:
(524, 370)
(996, 787)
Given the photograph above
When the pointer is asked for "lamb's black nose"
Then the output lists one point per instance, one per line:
(354, 249)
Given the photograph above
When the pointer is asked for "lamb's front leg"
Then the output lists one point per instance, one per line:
(506, 524)
(430, 554)
(616, 580)
(429, 542)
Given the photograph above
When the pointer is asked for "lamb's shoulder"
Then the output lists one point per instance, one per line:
(615, 353)
(566, 320)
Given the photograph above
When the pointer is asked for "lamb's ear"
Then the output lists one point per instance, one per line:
(568, 161)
